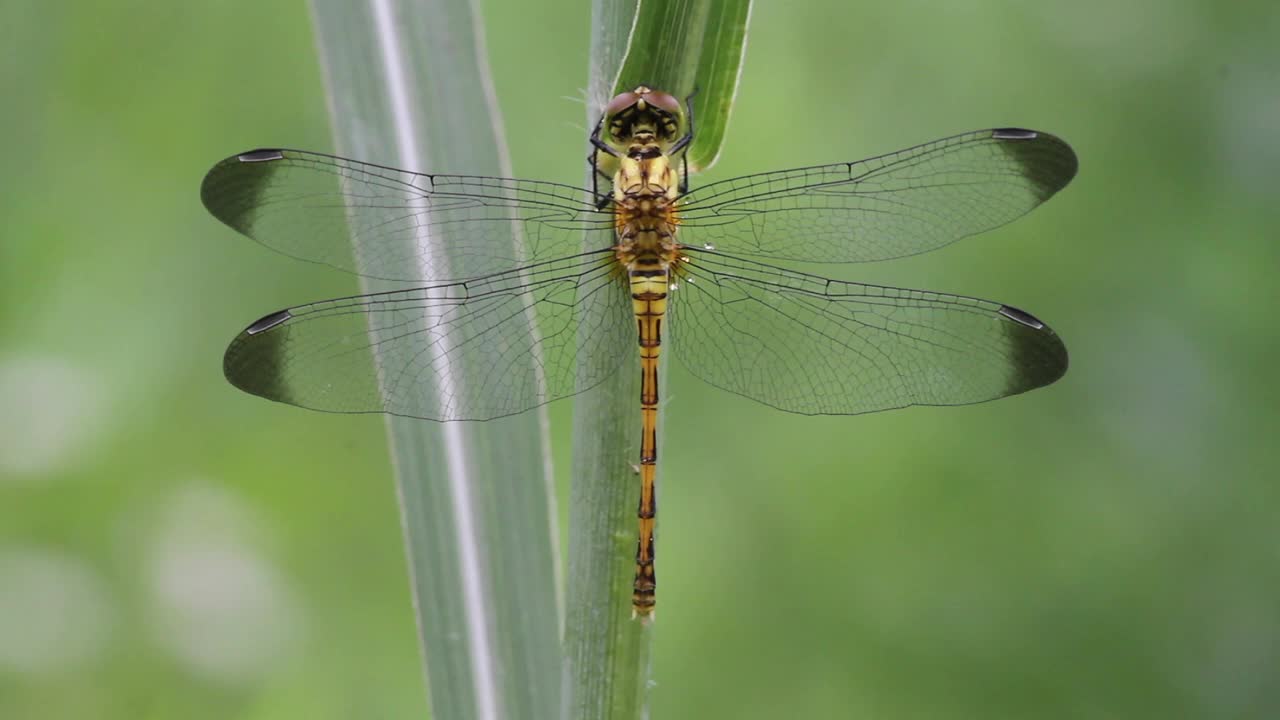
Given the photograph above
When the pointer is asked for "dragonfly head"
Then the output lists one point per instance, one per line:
(643, 117)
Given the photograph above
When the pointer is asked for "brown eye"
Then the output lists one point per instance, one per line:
(620, 103)
(663, 101)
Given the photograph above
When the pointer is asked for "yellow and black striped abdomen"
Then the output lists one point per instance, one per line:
(649, 281)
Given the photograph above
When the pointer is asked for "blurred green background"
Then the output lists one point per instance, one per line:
(1106, 548)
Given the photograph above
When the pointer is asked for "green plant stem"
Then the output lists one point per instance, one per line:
(607, 652)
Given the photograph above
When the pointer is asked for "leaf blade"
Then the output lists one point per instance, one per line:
(406, 83)
(683, 46)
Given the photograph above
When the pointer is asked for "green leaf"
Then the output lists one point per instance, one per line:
(674, 46)
(683, 46)
(408, 87)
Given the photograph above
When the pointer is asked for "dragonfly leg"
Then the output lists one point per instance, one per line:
(602, 199)
(684, 141)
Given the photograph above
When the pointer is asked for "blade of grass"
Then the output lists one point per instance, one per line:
(685, 45)
(654, 42)
(408, 87)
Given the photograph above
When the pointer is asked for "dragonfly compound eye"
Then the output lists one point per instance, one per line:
(661, 101)
(622, 102)
(643, 115)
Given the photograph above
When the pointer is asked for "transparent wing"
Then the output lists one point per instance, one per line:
(409, 226)
(814, 346)
(899, 204)
(452, 351)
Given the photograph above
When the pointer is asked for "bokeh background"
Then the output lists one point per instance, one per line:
(1106, 548)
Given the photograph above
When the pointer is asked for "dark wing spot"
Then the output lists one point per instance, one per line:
(232, 188)
(1045, 160)
(1013, 134)
(260, 156)
(1021, 316)
(1039, 355)
(254, 361)
(268, 322)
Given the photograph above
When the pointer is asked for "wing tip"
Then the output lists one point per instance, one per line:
(230, 186)
(253, 362)
(1040, 357)
(1045, 159)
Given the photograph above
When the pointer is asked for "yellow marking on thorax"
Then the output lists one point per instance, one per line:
(645, 190)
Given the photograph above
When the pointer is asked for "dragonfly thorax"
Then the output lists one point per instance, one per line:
(651, 178)
(644, 195)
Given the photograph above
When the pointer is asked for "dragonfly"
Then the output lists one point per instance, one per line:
(520, 292)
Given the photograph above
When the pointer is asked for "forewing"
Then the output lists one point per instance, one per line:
(471, 350)
(894, 205)
(814, 346)
(408, 226)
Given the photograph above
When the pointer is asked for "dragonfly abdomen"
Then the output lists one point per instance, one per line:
(649, 282)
